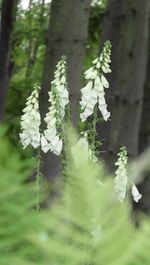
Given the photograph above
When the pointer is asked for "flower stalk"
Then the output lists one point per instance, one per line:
(121, 180)
(38, 179)
(31, 120)
(53, 136)
(93, 93)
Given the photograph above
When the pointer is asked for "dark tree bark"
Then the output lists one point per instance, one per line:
(144, 139)
(111, 30)
(125, 106)
(8, 15)
(67, 35)
(129, 85)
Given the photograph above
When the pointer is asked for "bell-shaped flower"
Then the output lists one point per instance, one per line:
(56, 145)
(104, 82)
(135, 193)
(88, 102)
(44, 143)
(91, 73)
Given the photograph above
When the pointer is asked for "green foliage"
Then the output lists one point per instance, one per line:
(87, 225)
(17, 202)
(28, 49)
(84, 225)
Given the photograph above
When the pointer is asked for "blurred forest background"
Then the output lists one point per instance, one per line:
(35, 34)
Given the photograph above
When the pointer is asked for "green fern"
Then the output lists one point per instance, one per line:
(84, 225)
(17, 203)
(87, 225)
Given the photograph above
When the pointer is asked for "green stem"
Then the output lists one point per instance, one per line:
(64, 155)
(93, 147)
(37, 181)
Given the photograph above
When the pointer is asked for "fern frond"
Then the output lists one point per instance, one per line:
(86, 224)
(17, 202)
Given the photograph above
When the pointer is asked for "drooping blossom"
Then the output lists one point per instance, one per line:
(135, 193)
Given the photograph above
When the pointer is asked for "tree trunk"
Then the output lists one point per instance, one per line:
(144, 139)
(111, 30)
(8, 15)
(129, 86)
(67, 35)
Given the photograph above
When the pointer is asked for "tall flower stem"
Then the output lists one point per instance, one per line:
(93, 130)
(64, 159)
(38, 179)
(59, 99)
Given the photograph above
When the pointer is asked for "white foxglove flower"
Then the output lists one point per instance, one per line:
(135, 193)
(121, 179)
(104, 81)
(56, 145)
(59, 99)
(88, 102)
(44, 143)
(93, 92)
(31, 120)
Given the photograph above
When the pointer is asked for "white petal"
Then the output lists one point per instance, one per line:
(98, 65)
(83, 117)
(28, 108)
(57, 145)
(85, 90)
(104, 81)
(95, 61)
(33, 112)
(106, 116)
(87, 112)
(50, 133)
(105, 70)
(35, 140)
(45, 146)
(135, 193)
(90, 73)
(63, 79)
(98, 86)
(25, 139)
